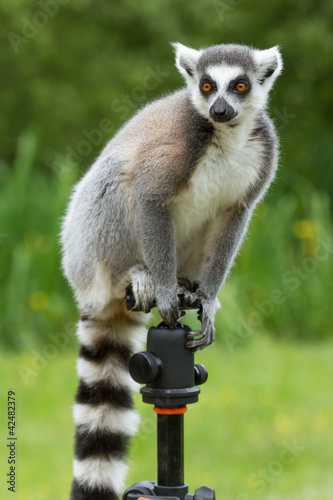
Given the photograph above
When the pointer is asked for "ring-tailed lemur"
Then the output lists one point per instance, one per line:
(169, 197)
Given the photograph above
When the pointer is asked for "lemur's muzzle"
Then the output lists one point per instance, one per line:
(221, 111)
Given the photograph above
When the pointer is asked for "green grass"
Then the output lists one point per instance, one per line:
(35, 299)
(263, 395)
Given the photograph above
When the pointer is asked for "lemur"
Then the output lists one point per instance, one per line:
(165, 205)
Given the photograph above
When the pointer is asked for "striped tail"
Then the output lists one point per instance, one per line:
(103, 413)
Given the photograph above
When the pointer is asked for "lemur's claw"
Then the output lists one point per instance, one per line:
(205, 338)
(170, 315)
(199, 344)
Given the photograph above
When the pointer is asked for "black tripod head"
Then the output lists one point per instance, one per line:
(171, 377)
(167, 368)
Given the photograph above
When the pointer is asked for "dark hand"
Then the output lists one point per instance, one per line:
(168, 307)
(205, 335)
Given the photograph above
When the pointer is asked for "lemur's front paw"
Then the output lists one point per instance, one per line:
(143, 288)
(167, 306)
(205, 335)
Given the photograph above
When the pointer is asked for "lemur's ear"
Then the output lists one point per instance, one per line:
(269, 65)
(186, 59)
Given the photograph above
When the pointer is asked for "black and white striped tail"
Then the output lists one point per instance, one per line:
(103, 413)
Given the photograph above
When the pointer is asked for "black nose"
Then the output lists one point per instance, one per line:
(221, 111)
(218, 114)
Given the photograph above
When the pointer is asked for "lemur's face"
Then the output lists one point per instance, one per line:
(228, 82)
(223, 92)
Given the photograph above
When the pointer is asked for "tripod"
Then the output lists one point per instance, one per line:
(171, 377)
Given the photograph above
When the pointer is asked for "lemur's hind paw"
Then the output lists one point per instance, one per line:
(186, 285)
(143, 288)
(187, 289)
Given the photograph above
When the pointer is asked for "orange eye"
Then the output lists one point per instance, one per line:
(206, 87)
(241, 87)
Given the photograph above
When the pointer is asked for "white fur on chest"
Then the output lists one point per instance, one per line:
(221, 178)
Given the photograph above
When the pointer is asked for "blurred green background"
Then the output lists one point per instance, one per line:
(72, 72)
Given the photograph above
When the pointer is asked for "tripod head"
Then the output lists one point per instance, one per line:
(167, 367)
(171, 377)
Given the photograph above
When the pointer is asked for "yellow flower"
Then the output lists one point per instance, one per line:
(283, 424)
(310, 247)
(306, 228)
(39, 301)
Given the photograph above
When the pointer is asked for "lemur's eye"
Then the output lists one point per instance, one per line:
(206, 87)
(240, 87)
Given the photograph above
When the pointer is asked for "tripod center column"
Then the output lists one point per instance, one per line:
(170, 450)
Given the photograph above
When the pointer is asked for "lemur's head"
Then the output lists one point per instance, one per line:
(228, 82)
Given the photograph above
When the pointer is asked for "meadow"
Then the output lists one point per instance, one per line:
(261, 429)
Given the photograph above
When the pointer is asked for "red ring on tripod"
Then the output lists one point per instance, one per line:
(170, 411)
